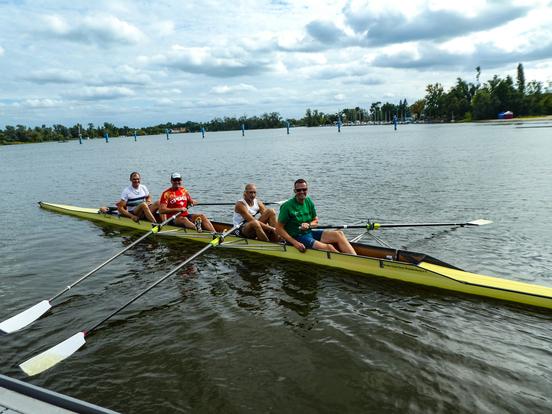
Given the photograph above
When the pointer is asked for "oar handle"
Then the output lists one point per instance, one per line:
(369, 226)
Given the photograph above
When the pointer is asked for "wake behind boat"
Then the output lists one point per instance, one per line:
(402, 265)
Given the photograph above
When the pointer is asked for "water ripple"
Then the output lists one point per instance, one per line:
(235, 332)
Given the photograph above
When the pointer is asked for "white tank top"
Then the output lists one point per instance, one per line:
(254, 209)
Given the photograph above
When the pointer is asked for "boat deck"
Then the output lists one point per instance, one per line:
(18, 397)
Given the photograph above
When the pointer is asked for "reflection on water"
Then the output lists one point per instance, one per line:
(238, 332)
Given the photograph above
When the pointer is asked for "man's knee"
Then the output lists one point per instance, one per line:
(336, 235)
(268, 215)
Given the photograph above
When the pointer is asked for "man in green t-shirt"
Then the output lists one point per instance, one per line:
(297, 220)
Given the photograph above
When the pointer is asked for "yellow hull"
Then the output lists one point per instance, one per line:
(400, 265)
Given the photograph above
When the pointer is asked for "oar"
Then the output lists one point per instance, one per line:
(231, 204)
(375, 226)
(30, 315)
(223, 204)
(65, 349)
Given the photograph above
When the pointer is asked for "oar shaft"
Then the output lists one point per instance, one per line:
(215, 204)
(153, 230)
(375, 226)
(212, 243)
(422, 225)
(65, 349)
(342, 226)
(231, 204)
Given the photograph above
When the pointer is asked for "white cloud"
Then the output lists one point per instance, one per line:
(98, 29)
(54, 75)
(165, 28)
(165, 101)
(42, 103)
(1, 50)
(220, 62)
(121, 75)
(226, 89)
(102, 92)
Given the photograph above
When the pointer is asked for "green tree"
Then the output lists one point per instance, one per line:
(520, 83)
(111, 129)
(417, 109)
(375, 111)
(388, 110)
(434, 101)
(483, 106)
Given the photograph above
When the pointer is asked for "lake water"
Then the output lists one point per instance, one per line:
(241, 333)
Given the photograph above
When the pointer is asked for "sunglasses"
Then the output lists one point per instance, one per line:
(301, 190)
(177, 179)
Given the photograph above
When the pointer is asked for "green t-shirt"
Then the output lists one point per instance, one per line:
(292, 214)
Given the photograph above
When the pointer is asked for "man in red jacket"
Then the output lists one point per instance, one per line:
(177, 199)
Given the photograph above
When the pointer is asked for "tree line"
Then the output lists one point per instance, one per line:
(23, 134)
(465, 101)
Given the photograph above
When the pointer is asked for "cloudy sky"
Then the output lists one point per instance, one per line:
(140, 63)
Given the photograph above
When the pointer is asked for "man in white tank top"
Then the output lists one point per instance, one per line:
(245, 210)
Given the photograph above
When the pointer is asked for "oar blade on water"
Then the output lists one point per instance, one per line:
(54, 355)
(65, 349)
(479, 222)
(25, 318)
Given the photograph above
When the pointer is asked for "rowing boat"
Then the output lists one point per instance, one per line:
(402, 265)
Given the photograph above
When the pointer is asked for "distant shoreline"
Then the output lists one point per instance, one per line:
(512, 121)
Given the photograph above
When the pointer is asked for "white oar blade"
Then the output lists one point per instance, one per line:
(52, 356)
(25, 318)
(480, 222)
